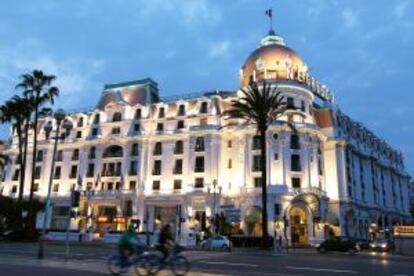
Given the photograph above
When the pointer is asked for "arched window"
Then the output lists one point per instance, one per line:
(199, 146)
(157, 148)
(179, 147)
(113, 151)
(97, 119)
(294, 141)
(138, 114)
(117, 117)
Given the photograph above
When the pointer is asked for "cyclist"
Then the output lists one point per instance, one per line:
(126, 244)
(165, 240)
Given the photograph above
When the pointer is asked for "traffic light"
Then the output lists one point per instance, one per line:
(75, 198)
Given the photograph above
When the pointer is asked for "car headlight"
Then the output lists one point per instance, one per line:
(384, 245)
(372, 245)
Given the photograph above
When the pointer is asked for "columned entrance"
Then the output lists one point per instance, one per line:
(299, 226)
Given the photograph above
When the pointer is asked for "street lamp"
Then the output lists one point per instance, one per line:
(214, 201)
(59, 116)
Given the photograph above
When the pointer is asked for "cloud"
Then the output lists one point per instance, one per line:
(350, 18)
(220, 49)
(75, 75)
(400, 9)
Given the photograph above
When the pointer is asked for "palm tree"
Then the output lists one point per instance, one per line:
(13, 111)
(260, 106)
(37, 87)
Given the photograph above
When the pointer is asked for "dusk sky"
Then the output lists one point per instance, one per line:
(363, 50)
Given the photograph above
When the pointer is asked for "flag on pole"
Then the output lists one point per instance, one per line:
(269, 13)
(122, 182)
(80, 182)
(98, 180)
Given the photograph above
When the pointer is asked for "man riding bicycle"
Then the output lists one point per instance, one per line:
(127, 244)
(165, 241)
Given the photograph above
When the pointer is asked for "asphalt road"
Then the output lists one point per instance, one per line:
(20, 259)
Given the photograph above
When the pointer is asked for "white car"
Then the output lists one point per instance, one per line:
(216, 242)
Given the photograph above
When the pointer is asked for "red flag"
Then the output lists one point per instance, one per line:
(269, 13)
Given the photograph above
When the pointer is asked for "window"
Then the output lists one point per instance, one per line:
(91, 170)
(199, 164)
(38, 171)
(35, 187)
(138, 114)
(57, 173)
(75, 155)
(94, 131)
(161, 112)
(160, 127)
(16, 174)
(320, 167)
(294, 141)
(276, 156)
(179, 147)
(132, 185)
(73, 171)
(199, 146)
(295, 163)
(137, 127)
(302, 106)
(133, 168)
(257, 182)
(59, 157)
(203, 107)
(180, 124)
(156, 185)
(295, 182)
(277, 209)
(199, 183)
(117, 117)
(181, 110)
(229, 144)
(79, 134)
(275, 136)
(290, 103)
(97, 119)
(14, 189)
(156, 170)
(256, 163)
(116, 130)
(229, 164)
(177, 184)
(92, 153)
(80, 122)
(256, 143)
(39, 156)
(157, 149)
(134, 149)
(178, 166)
(56, 188)
(110, 186)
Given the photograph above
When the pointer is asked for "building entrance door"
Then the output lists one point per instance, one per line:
(299, 226)
(165, 215)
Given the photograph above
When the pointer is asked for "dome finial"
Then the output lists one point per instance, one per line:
(271, 37)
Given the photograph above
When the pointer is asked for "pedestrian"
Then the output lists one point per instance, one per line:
(279, 244)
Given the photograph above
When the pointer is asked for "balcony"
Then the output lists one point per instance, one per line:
(110, 193)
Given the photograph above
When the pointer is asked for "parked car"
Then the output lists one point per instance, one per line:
(383, 245)
(343, 244)
(216, 242)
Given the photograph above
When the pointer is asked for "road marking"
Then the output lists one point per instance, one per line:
(230, 264)
(322, 269)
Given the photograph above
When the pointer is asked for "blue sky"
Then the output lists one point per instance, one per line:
(361, 49)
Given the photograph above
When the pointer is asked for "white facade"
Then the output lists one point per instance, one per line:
(332, 177)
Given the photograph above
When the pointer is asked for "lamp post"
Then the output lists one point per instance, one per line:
(214, 201)
(67, 125)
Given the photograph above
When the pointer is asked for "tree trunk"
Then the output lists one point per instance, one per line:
(263, 167)
(21, 182)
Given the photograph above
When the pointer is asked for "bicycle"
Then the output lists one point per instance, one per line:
(178, 264)
(142, 261)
